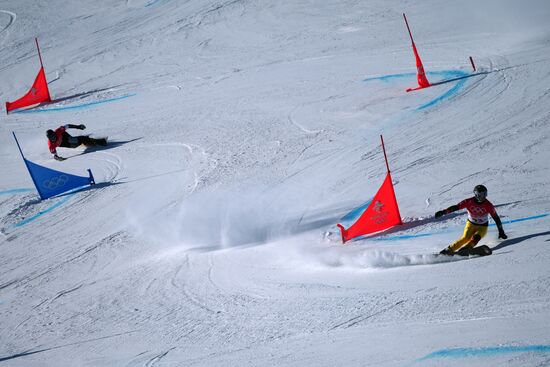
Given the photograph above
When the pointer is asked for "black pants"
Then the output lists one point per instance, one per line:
(69, 141)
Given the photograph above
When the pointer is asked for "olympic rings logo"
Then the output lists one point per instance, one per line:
(55, 182)
(479, 211)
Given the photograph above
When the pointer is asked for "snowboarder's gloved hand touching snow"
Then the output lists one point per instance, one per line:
(501, 234)
(58, 158)
(440, 213)
(81, 126)
(447, 251)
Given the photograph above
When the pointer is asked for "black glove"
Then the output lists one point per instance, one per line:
(58, 158)
(440, 213)
(81, 126)
(446, 251)
(502, 235)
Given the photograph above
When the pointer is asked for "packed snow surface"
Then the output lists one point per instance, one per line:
(241, 132)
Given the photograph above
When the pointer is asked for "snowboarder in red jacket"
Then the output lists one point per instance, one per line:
(61, 138)
(478, 208)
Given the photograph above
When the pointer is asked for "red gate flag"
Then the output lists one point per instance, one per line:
(420, 74)
(382, 213)
(38, 93)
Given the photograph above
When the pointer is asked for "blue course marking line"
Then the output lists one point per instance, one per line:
(446, 74)
(15, 191)
(77, 107)
(443, 73)
(521, 219)
(410, 236)
(69, 194)
(41, 213)
(387, 78)
(456, 353)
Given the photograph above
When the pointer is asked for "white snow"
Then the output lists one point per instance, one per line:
(246, 130)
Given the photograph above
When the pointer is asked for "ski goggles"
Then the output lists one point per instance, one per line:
(480, 195)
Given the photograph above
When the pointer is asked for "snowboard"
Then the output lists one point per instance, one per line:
(482, 250)
(100, 141)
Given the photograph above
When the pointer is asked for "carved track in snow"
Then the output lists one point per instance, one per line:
(12, 16)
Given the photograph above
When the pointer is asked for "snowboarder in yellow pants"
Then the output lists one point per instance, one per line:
(479, 209)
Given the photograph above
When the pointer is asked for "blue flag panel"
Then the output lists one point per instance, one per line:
(50, 182)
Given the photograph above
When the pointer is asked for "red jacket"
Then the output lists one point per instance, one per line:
(53, 145)
(478, 213)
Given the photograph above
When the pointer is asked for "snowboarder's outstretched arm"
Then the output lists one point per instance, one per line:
(452, 208)
(79, 127)
(501, 233)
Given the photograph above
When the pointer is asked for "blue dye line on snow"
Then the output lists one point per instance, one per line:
(41, 213)
(446, 74)
(521, 219)
(410, 236)
(15, 191)
(387, 78)
(456, 353)
(460, 83)
(77, 107)
(54, 206)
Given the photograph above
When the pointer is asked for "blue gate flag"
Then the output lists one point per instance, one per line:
(50, 182)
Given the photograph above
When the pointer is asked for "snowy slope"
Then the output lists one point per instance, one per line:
(242, 132)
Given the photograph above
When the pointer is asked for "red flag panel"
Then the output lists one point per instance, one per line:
(382, 213)
(38, 93)
(420, 74)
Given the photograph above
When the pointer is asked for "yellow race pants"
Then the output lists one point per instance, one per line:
(471, 236)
